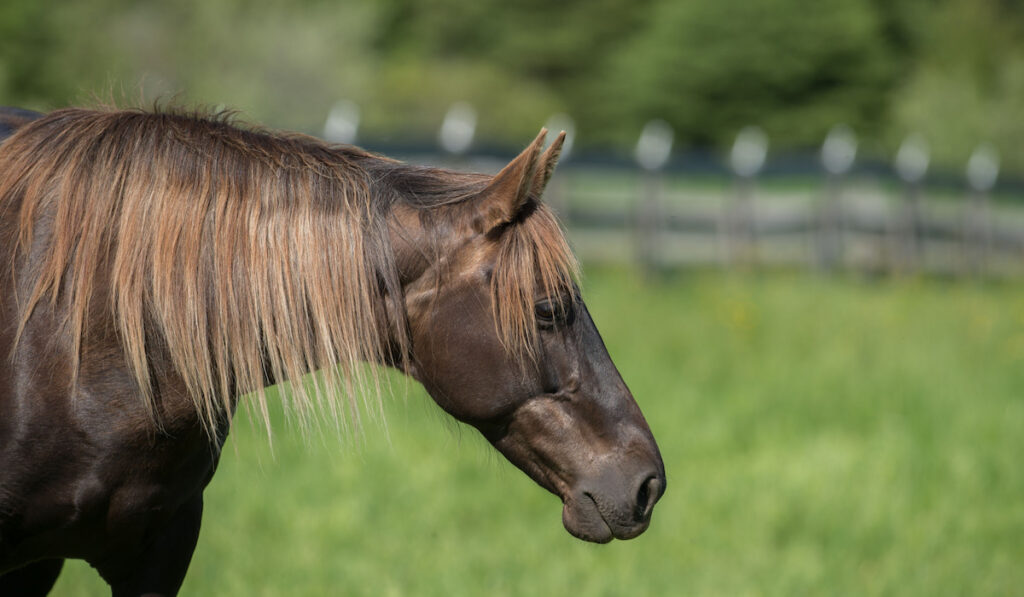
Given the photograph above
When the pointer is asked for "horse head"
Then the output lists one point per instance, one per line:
(502, 340)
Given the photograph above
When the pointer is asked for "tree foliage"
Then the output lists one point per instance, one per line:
(953, 69)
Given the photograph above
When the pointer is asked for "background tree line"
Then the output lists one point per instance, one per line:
(951, 69)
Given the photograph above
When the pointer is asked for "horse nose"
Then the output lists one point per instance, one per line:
(650, 491)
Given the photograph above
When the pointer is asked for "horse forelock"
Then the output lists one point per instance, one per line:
(533, 261)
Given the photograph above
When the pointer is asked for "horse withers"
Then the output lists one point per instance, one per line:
(159, 267)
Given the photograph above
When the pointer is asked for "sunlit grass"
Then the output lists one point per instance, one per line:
(822, 436)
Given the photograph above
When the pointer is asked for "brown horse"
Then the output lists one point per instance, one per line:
(158, 266)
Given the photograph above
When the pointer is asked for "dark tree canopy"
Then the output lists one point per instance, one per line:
(952, 69)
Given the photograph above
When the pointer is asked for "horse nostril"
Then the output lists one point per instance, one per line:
(649, 492)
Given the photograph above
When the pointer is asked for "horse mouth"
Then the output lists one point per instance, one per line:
(584, 519)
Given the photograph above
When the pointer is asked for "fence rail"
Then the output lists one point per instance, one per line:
(663, 221)
(840, 227)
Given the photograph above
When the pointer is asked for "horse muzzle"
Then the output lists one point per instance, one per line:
(601, 512)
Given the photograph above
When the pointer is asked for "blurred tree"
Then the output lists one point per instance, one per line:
(279, 62)
(24, 31)
(48, 58)
(792, 67)
(546, 53)
(27, 34)
(557, 43)
(968, 82)
(953, 69)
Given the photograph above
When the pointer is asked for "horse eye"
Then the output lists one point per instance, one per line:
(549, 313)
(545, 311)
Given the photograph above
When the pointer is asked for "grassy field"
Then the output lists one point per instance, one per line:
(822, 436)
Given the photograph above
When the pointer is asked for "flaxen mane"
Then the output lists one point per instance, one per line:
(247, 255)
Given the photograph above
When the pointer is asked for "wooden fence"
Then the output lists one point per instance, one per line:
(657, 218)
(664, 220)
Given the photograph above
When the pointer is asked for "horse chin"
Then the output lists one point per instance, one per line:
(584, 521)
(582, 517)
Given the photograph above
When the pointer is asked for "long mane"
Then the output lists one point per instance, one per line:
(244, 254)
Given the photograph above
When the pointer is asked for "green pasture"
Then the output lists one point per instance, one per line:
(822, 436)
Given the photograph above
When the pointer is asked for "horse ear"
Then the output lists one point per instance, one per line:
(546, 165)
(510, 189)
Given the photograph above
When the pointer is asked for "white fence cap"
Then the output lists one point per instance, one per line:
(458, 128)
(839, 150)
(912, 158)
(749, 151)
(983, 168)
(655, 145)
(342, 124)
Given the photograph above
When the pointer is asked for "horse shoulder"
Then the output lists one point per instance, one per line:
(88, 470)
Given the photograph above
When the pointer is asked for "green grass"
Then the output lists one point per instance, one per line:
(822, 436)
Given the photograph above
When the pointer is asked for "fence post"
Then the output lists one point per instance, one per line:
(342, 125)
(457, 129)
(911, 164)
(740, 223)
(982, 173)
(652, 153)
(837, 155)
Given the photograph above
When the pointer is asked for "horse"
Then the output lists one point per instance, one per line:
(161, 267)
